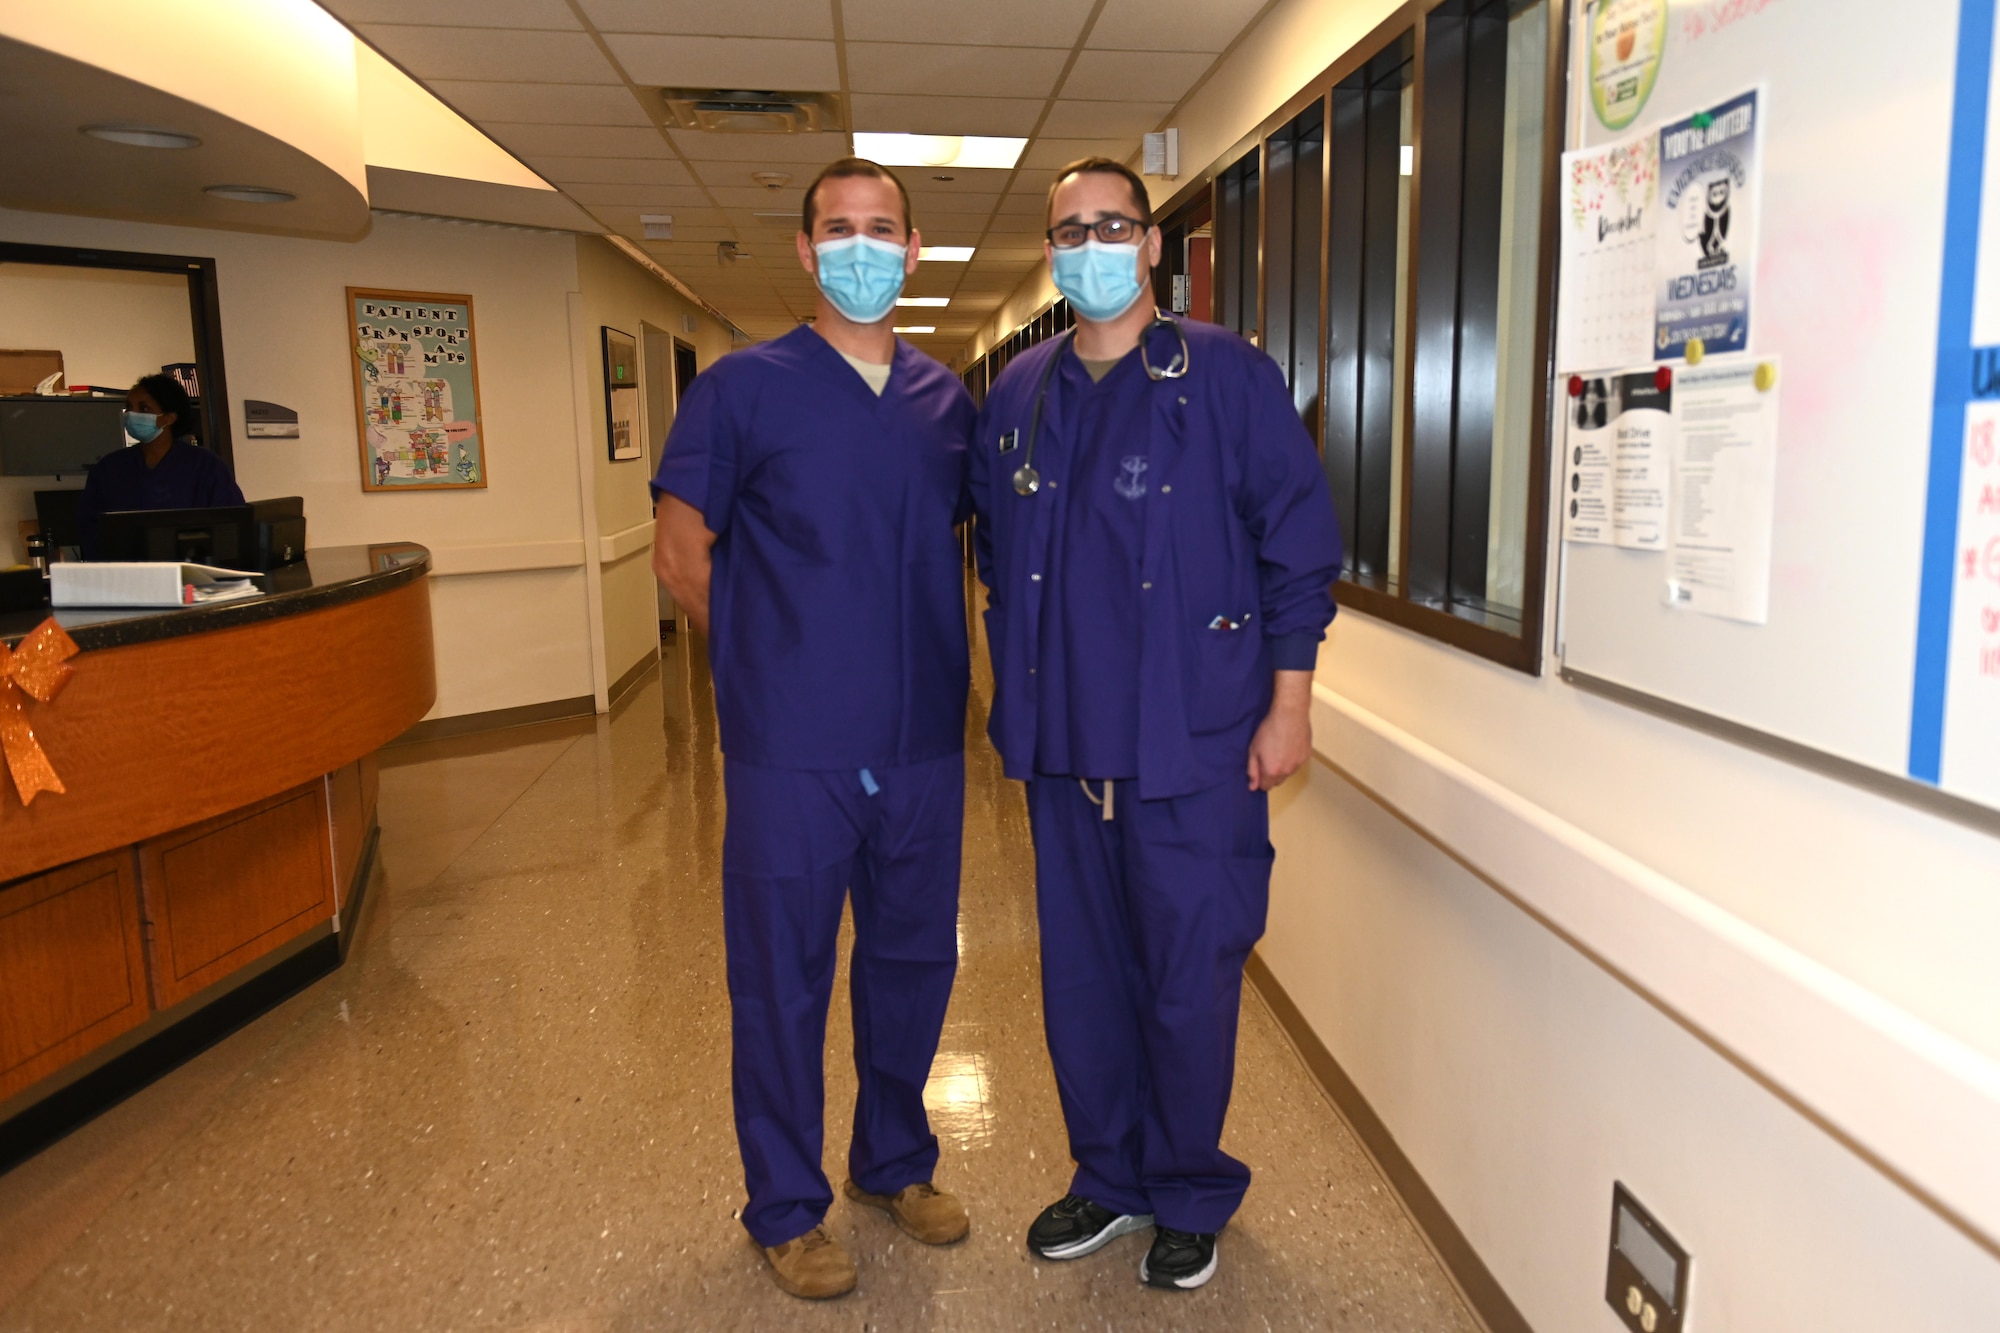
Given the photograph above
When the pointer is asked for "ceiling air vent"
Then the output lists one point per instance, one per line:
(737, 111)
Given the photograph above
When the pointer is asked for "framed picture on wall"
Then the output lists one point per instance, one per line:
(621, 395)
(416, 390)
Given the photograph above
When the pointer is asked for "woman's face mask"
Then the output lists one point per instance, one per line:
(861, 275)
(142, 426)
(1100, 281)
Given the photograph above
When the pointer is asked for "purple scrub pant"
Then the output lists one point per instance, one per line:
(1146, 922)
(795, 845)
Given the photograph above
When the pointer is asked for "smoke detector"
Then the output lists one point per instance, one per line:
(772, 180)
(726, 253)
(742, 111)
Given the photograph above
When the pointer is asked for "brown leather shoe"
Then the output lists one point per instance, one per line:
(813, 1266)
(926, 1212)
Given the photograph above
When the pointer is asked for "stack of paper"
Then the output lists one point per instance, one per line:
(145, 583)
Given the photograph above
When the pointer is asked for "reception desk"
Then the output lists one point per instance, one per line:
(219, 809)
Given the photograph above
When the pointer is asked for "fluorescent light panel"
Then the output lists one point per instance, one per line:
(949, 254)
(939, 150)
(924, 300)
(916, 328)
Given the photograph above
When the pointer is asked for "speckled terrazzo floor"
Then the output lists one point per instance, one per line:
(510, 1109)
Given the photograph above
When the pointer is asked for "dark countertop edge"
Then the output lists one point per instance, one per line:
(151, 626)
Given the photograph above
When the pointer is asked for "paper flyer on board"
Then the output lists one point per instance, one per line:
(1605, 302)
(1971, 760)
(1710, 183)
(1619, 460)
(1724, 490)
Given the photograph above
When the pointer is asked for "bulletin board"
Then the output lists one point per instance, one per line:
(416, 390)
(1866, 633)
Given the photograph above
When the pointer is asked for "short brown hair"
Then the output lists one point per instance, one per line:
(1104, 165)
(852, 166)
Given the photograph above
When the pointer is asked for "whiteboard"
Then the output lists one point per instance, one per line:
(1859, 158)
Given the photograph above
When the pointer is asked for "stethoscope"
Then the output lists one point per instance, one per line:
(1026, 479)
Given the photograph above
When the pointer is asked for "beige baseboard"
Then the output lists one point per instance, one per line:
(553, 710)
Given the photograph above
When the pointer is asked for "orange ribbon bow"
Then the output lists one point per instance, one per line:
(40, 667)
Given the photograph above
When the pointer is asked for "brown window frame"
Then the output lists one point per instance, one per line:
(1435, 558)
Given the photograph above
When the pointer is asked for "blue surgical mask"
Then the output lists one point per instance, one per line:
(861, 276)
(1100, 281)
(142, 426)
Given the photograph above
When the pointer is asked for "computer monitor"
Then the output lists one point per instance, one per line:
(281, 531)
(224, 536)
(55, 514)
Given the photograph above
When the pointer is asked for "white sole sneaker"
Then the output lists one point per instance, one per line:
(1190, 1282)
(1124, 1225)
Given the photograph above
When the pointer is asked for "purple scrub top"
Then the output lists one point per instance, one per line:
(1089, 727)
(1238, 555)
(837, 629)
(186, 477)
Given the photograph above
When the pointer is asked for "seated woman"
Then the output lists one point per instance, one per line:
(167, 469)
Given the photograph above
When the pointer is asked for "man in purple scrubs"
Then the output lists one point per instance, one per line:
(1160, 549)
(807, 500)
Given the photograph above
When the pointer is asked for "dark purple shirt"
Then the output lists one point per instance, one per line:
(186, 477)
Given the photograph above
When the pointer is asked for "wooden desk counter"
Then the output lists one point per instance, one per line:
(220, 803)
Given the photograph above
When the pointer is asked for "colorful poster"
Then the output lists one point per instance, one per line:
(1627, 40)
(1619, 451)
(1611, 207)
(416, 385)
(1707, 240)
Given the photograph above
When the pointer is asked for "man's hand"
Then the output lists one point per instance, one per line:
(1283, 741)
(681, 545)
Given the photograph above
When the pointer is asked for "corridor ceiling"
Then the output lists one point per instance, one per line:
(572, 88)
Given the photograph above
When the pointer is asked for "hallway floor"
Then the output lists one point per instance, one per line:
(510, 1109)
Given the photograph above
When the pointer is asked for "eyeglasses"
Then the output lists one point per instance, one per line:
(1111, 231)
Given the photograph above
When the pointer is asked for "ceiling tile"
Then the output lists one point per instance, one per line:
(1147, 25)
(509, 55)
(552, 14)
(748, 197)
(817, 149)
(1033, 205)
(1046, 155)
(1015, 23)
(742, 175)
(1110, 119)
(726, 62)
(1134, 76)
(547, 103)
(611, 170)
(738, 18)
(947, 71)
(644, 197)
(536, 141)
(945, 115)
(1003, 252)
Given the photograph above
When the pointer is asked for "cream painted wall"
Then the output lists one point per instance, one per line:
(111, 327)
(1520, 1075)
(617, 292)
(505, 637)
(1523, 1079)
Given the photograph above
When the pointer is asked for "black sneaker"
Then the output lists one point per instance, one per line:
(1073, 1226)
(1179, 1260)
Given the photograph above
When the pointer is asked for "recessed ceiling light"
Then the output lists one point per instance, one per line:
(939, 150)
(251, 194)
(924, 300)
(916, 328)
(136, 136)
(949, 254)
